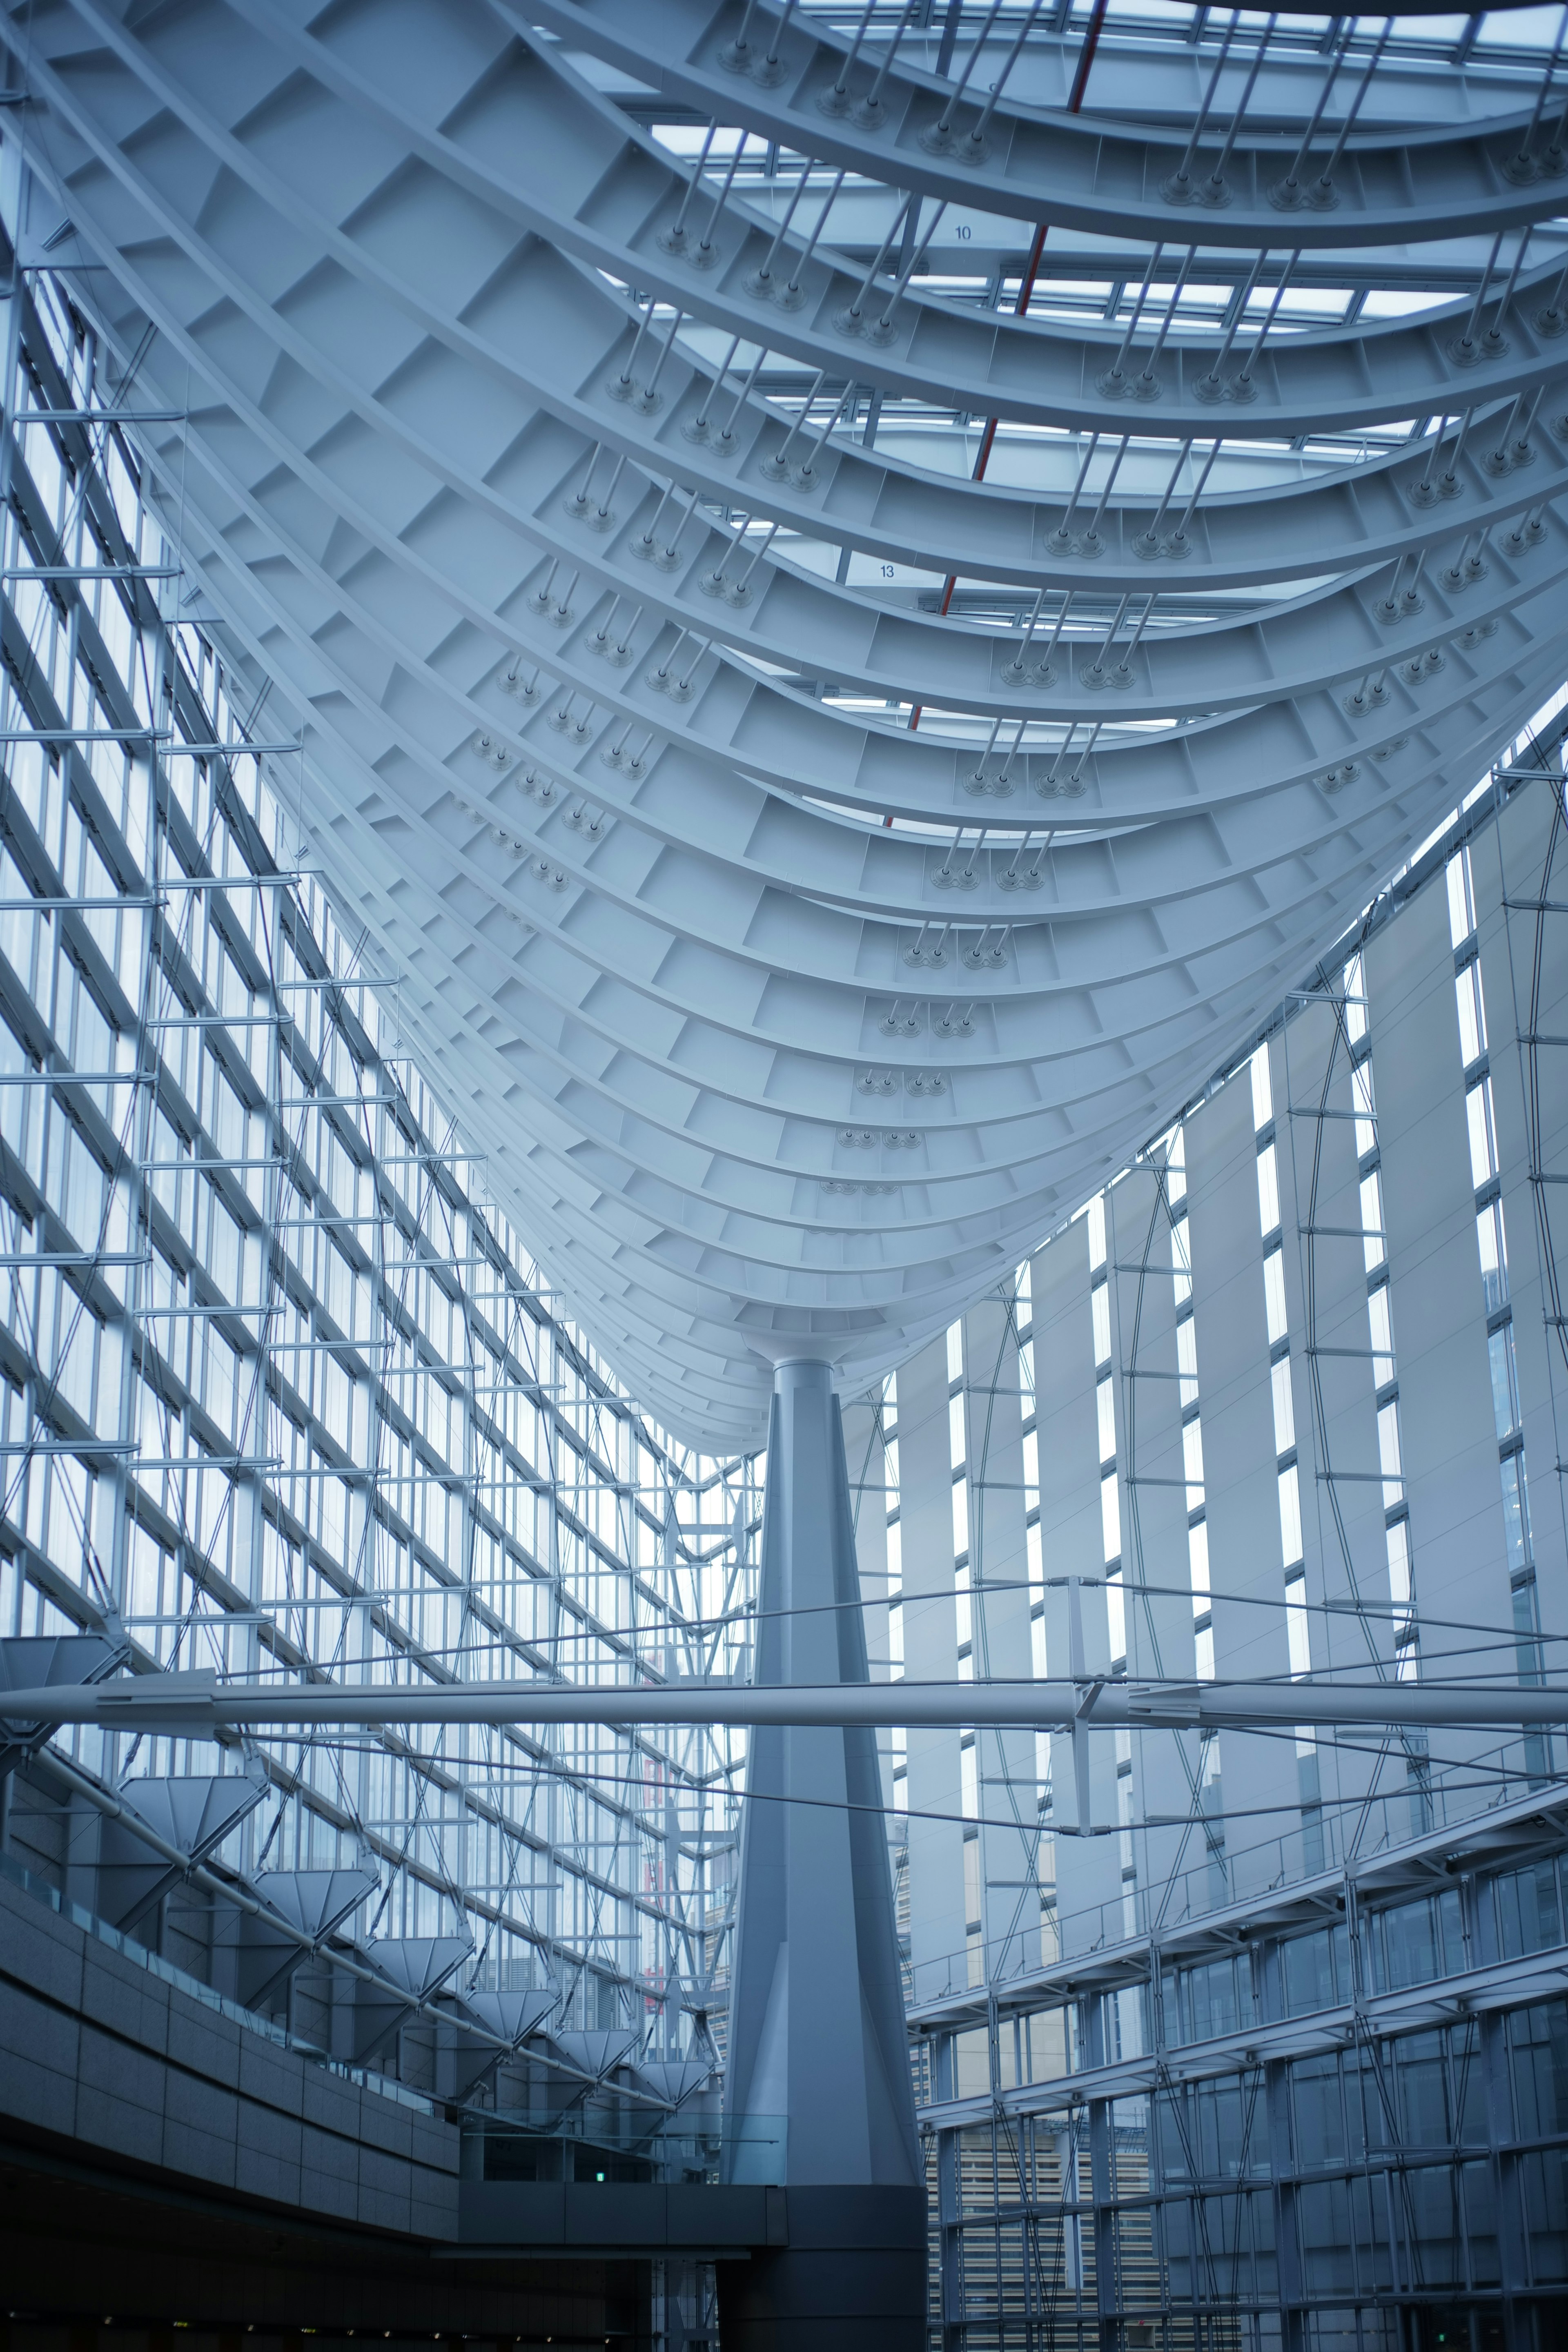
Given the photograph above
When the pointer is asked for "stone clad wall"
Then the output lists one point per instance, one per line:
(98, 2049)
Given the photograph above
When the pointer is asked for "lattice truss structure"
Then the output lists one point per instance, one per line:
(282, 1392)
(864, 585)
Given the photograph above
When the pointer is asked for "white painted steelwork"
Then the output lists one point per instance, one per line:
(800, 950)
(198, 1701)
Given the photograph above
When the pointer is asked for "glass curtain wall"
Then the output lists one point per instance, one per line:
(1242, 2039)
(1214, 2038)
(283, 1394)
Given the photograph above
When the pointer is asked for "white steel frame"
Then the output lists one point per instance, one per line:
(720, 880)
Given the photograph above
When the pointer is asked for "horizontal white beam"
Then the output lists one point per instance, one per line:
(190, 1702)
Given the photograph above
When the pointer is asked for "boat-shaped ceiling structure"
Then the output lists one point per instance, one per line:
(859, 607)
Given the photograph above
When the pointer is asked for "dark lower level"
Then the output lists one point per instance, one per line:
(96, 2254)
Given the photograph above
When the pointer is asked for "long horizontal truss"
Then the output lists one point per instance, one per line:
(201, 1701)
(838, 736)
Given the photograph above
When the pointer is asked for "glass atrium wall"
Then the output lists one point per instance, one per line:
(1232, 2041)
(283, 1394)
(1250, 2038)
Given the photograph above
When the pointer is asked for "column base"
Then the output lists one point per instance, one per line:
(851, 2279)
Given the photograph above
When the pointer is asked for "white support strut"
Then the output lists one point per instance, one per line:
(192, 1702)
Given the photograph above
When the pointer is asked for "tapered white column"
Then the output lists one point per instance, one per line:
(817, 2093)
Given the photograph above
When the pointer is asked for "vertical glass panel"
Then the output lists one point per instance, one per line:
(1290, 1514)
(1262, 1088)
(1284, 1406)
(1099, 1309)
(1379, 1322)
(1372, 1246)
(1274, 1295)
(1461, 898)
(1505, 1383)
(1110, 1517)
(1105, 1410)
(1187, 1360)
(1515, 1514)
(1364, 1107)
(1181, 1263)
(1491, 1241)
(1472, 1013)
(1176, 1169)
(1401, 1591)
(1116, 1617)
(1193, 1460)
(1298, 1634)
(1479, 1121)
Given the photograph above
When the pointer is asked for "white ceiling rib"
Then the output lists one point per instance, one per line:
(812, 867)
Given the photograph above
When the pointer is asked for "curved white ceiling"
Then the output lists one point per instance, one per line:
(789, 1027)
